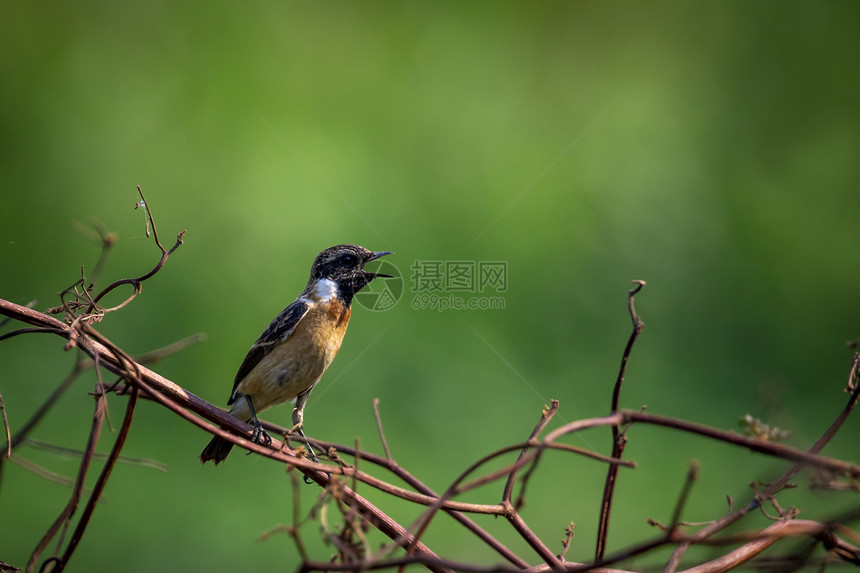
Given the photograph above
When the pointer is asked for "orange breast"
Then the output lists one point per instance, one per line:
(299, 362)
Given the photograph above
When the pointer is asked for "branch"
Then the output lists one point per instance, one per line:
(340, 480)
(769, 448)
(379, 429)
(135, 282)
(66, 515)
(780, 483)
(619, 441)
(101, 482)
(390, 465)
(545, 417)
(179, 400)
(763, 540)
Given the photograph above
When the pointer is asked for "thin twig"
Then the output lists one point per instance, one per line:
(782, 480)
(692, 475)
(293, 530)
(135, 282)
(6, 429)
(72, 452)
(43, 472)
(505, 509)
(762, 447)
(619, 440)
(184, 401)
(423, 489)
(546, 415)
(529, 536)
(20, 331)
(100, 484)
(71, 506)
(379, 428)
(638, 325)
(356, 512)
(568, 539)
(763, 540)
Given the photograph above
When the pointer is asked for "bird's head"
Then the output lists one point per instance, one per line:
(344, 266)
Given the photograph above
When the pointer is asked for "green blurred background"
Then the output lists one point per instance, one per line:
(707, 148)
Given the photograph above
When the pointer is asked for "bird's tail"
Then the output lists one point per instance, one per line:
(216, 450)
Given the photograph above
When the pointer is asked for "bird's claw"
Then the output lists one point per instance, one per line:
(259, 436)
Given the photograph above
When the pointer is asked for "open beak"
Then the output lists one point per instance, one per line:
(375, 256)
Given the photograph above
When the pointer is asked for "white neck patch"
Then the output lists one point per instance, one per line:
(325, 289)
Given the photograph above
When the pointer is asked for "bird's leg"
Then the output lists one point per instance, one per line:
(298, 420)
(258, 436)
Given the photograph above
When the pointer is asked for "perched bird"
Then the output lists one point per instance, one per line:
(294, 351)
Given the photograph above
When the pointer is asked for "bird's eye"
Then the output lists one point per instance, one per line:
(348, 260)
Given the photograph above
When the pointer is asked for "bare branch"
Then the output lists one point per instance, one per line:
(619, 440)
(67, 513)
(546, 416)
(379, 428)
(346, 516)
(135, 282)
(101, 482)
(780, 483)
(692, 475)
(43, 472)
(6, 428)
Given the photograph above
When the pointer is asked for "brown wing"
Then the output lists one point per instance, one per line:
(278, 331)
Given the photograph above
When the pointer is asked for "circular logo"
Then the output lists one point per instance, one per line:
(382, 293)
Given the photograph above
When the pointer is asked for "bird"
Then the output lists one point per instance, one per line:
(294, 351)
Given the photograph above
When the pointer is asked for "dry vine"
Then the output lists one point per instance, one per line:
(80, 310)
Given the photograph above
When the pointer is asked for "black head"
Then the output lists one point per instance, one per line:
(344, 265)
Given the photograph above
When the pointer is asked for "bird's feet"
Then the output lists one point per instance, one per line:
(259, 436)
(297, 429)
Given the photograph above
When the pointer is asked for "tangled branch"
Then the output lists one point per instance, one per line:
(348, 468)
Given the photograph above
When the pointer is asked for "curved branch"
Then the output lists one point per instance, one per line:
(181, 401)
(217, 421)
